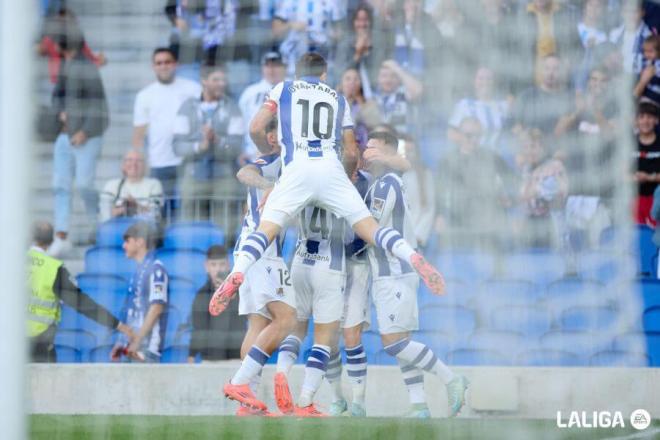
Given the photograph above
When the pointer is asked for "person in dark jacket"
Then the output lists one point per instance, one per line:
(82, 114)
(215, 338)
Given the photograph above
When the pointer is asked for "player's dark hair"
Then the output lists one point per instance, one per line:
(216, 252)
(208, 69)
(163, 50)
(42, 233)
(387, 138)
(311, 64)
(647, 108)
(272, 125)
(653, 40)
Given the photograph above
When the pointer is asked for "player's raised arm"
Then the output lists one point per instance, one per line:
(259, 123)
(350, 154)
(250, 175)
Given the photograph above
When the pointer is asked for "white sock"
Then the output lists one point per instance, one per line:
(356, 365)
(413, 377)
(391, 240)
(333, 374)
(250, 251)
(317, 363)
(420, 356)
(288, 354)
(255, 382)
(251, 366)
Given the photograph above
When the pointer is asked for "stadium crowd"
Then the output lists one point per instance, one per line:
(513, 137)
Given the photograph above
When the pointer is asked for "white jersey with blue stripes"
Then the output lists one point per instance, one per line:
(311, 117)
(320, 240)
(387, 203)
(269, 167)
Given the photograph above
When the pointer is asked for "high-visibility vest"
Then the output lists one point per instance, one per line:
(44, 305)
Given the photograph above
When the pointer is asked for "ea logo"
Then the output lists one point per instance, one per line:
(640, 419)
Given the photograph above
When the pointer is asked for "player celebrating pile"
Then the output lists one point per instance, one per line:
(314, 123)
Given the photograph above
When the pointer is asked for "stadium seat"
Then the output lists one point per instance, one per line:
(456, 321)
(183, 335)
(111, 232)
(68, 318)
(507, 344)
(497, 293)
(67, 354)
(469, 267)
(635, 342)
(458, 293)
(526, 320)
(615, 358)
(440, 343)
(582, 343)
(547, 358)
(468, 356)
(647, 250)
(588, 318)
(101, 353)
(650, 293)
(653, 347)
(175, 321)
(81, 340)
(651, 319)
(536, 266)
(109, 260)
(174, 354)
(371, 342)
(184, 264)
(198, 236)
(606, 266)
(108, 290)
(573, 292)
(181, 295)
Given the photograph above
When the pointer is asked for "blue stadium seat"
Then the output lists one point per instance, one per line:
(174, 354)
(440, 343)
(371, 342)
(382, 358)
(184, 264)
(635, 342)
(613, 237)
(456, 321)
(68, 318)
(109, 260)
(507, 344)
(468, 356)
(458, 293)
(606, 266)
(497, 293)
(183, 335)
(653, 347)
(67, 354)
(174, 321)
(564, 294)
(647, 251)
(614, 358)
(81, 340)
(651, 319)
(110, 291)
(537, 266)
(181, 295)
(588, 318)
(547, 358)
(111, 232)
(650, 293)
(469, 267)
(101, 353)
(198, 236)
(526, 320)
(582, 343)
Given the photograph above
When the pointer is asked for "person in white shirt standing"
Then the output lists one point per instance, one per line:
(154, 117)
(273, 71)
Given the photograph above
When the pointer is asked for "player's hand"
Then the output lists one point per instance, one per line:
(78, 138)
(125, 329)
(102, 59)
(263, 200)
(132, 351)
(372, 156)
(647, 74)
(116, 352)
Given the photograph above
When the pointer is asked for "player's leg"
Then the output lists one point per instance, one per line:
(333, 374)
(256, 323)
(287, 356)
(356, 366)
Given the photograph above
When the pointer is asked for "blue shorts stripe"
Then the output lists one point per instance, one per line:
(357, 373)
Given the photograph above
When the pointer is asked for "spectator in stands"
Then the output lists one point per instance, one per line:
(50, 284)
(397, 93)
(220, 337)
(364, 113)
(541, 106)
(147, 296)
(209, 136)
(154, 117)
(491, 111)
(62, 20)
(133, 194)
(474, 191)
(647, 172)
(364, 49)
(79, 102)
(307, 26)
(630, 35)
(273, 71)
(648, 84)
(593, 31)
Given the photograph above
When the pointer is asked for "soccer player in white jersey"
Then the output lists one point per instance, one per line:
(314, 128)
(266, 294)
(394, 289)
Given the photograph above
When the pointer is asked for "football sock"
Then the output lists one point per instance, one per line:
(391, 240)
(317, 363)
(251, 366)
(420, 356)
(255, 382)
(356, 365)
(251, 250)
(333, 374)
(413, 377)
(288, 355)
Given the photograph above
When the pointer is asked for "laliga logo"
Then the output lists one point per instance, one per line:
(639, 419)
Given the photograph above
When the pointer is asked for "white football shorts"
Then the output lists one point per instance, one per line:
(395, 299)
(319, 293)
(266, 281)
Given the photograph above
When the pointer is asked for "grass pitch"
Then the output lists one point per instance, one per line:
(341, 428)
